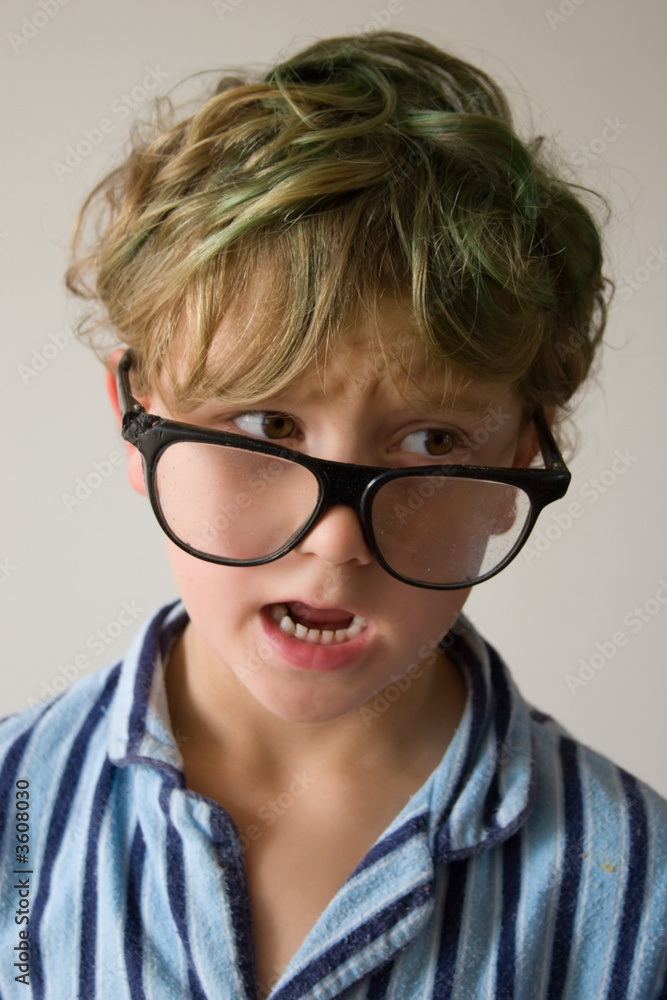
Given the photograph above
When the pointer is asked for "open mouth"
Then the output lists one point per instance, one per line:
(321, 626)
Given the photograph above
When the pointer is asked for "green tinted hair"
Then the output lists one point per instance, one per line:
(362, 165)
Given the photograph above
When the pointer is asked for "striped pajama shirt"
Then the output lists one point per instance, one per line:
(527, 867)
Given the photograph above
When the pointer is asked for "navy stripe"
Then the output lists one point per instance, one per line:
(357, 940)
(502, 715)
(8, 778)
(539, 716)
(452, 919)
(143, 680)
(511, 893)
(66, 790)
(379, 982)
(635, 886)
(479, 699)
(10, 769)
(176, 890)
(502, 696)
(414, 827)
(133, 937)
(228, 845)
(491, 803)
(88, 940)
(571, 868)
(662, 995)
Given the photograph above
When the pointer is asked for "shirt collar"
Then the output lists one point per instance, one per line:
(479, 794)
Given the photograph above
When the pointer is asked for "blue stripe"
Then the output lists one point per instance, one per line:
(357, 940)
(511, 892)
(88, 940)
(133, 938)
(66, 790)
(571, 864)
(635, 885)
(176, 890)
(452, 918)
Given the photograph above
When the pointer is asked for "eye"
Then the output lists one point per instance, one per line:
(432, 441)
(259, 423)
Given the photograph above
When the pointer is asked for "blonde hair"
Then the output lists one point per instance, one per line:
(360, 165)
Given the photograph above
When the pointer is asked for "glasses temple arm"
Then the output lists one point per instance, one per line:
(550, 450)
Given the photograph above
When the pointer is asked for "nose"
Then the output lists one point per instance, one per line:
(337, 538)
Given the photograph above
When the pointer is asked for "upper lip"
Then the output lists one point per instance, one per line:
(330, 605)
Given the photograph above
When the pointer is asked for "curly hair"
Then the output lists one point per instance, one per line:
(362, 164)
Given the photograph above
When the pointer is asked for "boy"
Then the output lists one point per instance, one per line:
(351, 301)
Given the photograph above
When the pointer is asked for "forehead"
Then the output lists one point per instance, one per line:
(377, 346)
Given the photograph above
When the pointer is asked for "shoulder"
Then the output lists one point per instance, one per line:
(587, 865)
(65, 742)
(43, 726)
(37, 743)
(591, 785)
(596, 840)
(49, 717)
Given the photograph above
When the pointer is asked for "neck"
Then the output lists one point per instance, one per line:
(215, 717)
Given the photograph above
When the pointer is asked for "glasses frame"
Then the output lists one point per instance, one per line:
(340, 483)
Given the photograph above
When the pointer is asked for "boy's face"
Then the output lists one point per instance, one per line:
(351, 411)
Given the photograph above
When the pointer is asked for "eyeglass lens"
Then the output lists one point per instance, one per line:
(244, 505)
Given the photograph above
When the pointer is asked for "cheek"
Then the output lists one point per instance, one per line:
(421, 617)
(209, 591)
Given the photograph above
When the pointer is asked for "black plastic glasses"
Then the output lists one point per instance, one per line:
(240, 501)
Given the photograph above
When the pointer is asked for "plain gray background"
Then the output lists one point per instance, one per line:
(590, 74)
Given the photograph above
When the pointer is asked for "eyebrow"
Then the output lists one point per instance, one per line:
(465, 401)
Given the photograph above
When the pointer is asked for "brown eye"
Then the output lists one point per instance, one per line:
(277, 425)
(438, 442)
(432, 441)
(261, 424)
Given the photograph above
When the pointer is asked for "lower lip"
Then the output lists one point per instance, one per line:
(311, 655)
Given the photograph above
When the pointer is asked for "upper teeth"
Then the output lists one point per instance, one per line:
(281, 616)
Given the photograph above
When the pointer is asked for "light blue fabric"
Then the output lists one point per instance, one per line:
(526, 866)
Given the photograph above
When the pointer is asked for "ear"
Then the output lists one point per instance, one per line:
(135, 469)
(528, 445)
